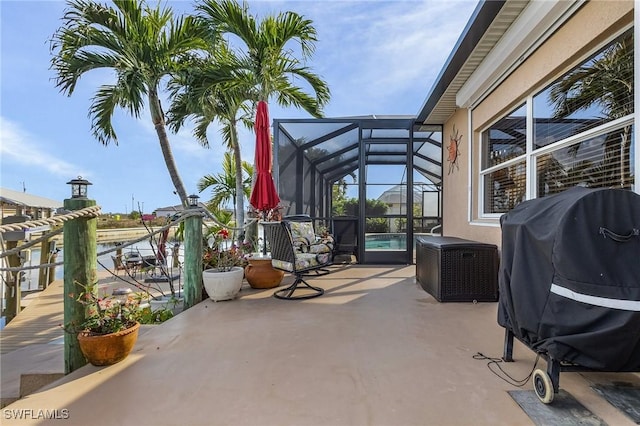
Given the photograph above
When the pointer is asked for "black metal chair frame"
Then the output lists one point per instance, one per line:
(282, 248)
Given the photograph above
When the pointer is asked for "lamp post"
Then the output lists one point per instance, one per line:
(192, 255)
(80, 259)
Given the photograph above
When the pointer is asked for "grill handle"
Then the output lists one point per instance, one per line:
(617, 237)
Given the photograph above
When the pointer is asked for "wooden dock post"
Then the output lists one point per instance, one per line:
(192, 261)
(45, 253)
(51, 273)
(80, 260)
(13, 296)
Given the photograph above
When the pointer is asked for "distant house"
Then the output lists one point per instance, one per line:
(21, 203)
(168, 211)
(426, 201)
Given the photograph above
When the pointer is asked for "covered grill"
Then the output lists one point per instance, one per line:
(569, 279)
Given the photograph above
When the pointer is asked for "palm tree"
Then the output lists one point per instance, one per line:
(607, 82)
(207, 104)
(142, 45)
(262, 68)
(224, 184)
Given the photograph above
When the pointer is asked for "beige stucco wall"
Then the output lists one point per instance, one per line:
(593, 24)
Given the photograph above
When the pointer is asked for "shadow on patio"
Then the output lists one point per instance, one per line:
(374, 350)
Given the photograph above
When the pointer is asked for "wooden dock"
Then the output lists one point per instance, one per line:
(32, 345)
(40, 320)
(38, 323)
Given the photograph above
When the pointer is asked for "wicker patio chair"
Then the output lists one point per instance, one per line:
(290, 254)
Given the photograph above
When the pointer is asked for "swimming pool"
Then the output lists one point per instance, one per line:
(388, 241)
(385, 242)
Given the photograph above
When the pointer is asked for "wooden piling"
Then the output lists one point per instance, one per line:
(51, 273)
(192, 261)
(45, 252)
(80, 260)
(13, 296)
(12, 290)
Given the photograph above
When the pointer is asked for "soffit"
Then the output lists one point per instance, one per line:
(445, 106)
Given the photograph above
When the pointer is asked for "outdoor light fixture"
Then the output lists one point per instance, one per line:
(193, 200)
(79, 187)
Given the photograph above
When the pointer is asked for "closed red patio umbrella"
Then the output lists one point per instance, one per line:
(264, 196)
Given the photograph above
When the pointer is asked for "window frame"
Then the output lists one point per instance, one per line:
(532, 155)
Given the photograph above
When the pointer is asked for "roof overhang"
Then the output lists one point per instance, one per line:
(488, 23)
(16, 198)
(500, 35)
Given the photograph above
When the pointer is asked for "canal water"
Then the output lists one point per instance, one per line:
(32, 258)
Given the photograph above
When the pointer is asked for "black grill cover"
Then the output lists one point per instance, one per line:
(570, 277)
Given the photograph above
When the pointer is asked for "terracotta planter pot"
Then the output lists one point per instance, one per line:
(260, 273)
(222, 285)
(108, 349)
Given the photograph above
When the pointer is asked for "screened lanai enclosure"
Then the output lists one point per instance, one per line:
(330, 168)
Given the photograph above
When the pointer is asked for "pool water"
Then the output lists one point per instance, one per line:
(385, 242)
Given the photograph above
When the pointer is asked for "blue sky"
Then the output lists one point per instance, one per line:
(378, 57)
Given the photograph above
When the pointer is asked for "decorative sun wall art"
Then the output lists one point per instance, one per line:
(454, 150)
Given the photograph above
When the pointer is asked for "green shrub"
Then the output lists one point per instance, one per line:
(147, 316)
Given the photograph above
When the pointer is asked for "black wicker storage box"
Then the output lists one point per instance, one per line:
(457, 270)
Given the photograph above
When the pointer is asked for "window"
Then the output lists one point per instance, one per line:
(582, 134)
(603, 161)
(504, 148)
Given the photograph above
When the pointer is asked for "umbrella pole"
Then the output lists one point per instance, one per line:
(264, 240)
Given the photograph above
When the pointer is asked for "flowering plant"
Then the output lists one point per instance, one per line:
(105, 314)
(269, 215)
(223, 254)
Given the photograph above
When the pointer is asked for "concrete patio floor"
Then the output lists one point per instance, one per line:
(376, 349)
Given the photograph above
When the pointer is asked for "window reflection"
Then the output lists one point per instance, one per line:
(600, 162)
(597, 91)
(593, 105)
(505, 188)
(506, 139)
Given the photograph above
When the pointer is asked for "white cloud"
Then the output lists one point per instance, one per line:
(19, 146)
(373, 54)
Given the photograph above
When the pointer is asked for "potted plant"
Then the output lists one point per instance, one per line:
(259, 272)
(223, 266)
(110, 327)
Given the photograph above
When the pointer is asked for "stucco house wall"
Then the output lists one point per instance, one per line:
(587, 30)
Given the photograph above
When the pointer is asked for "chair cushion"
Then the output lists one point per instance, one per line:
(303, 261)
(306, 241)
(323, 245)
(302, 232)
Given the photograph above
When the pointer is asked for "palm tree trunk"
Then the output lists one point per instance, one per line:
(159, 123)
(239, 184)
